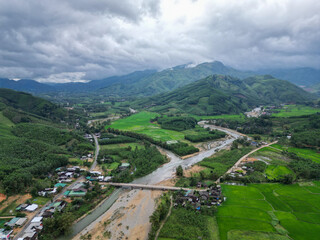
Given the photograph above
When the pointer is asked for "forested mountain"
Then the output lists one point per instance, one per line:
(219, 94)
(299, 76)
(170, 79)
(26, 85)
(315, 89)
(34, 140)
(143, 83)
(151, 82)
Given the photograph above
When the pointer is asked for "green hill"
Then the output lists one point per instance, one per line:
(170, 79)
(34, 140)
(219, 94)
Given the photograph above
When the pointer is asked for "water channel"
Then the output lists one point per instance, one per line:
(165, 172)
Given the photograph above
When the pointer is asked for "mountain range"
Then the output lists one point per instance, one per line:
(151, 82)
(220, 94)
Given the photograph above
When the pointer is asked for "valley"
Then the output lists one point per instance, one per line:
(234, 158)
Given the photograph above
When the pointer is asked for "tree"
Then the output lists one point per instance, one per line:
(179, 171)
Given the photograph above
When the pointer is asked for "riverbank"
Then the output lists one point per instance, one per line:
(128, 217)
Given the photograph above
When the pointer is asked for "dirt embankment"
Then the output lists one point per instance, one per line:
(128, 218)
(19, 199)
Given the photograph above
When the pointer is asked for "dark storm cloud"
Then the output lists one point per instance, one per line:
(78, 39)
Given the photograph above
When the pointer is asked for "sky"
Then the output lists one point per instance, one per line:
(79, 40)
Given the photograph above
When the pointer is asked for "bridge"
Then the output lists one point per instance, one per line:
(144, 186)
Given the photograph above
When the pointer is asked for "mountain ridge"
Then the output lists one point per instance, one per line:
(220, 94)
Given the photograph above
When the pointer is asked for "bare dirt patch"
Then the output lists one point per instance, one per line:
(128, 218)
(194, 169)
(2, 197)
(18, 198)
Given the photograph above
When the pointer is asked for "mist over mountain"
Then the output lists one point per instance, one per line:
(151, 82)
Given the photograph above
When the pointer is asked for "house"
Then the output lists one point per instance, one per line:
(80, 192)
(60, 185)
(31, 208)
(100, 178)
(124, 166)
(37, 220)
(5, 234)
(21, 207)
(29, 236)
(48, 191)
(95, 173)
(107, 179)
(21, 221)
(69, 174)
(12, 222)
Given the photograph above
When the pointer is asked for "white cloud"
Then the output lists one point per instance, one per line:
(102, 38)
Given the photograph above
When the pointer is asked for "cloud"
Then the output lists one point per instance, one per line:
(80, 40)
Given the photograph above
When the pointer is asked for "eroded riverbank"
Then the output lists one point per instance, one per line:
(128, 217)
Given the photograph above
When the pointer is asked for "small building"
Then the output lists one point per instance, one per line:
(124, 166)
(32, 207)
(37, 220)
(60, 185)
(96, 173)
(107, 179)
(80, 192)
(12, 222)
(5, 234)
(21, 207)
(21, 221)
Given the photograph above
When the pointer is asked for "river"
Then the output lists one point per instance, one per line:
(164, 172)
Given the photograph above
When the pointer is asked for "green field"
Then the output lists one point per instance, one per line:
(276, 172)
(269, 211)
(224, 116)
(301, 152)
(122, 145)
(140, 123)
(295, 110)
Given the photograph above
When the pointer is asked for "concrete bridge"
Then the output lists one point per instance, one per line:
(144, 186)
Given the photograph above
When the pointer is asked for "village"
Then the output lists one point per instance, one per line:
(198, 199)
(70, 183)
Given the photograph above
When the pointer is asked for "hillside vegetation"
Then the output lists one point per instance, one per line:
(219, 94)
(33, 142)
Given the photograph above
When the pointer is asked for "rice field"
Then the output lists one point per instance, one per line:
(270, 211)
(295, 110)
(140, 123)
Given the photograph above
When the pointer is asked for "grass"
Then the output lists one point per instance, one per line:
(269, 211)
(111, 166)
(295, 110)
(122, 145)
(225, 116)
(140, 123)
(276, 172)
(301, 152)
(247, 235)
(10, 210)
(3, 221)
(40, 200)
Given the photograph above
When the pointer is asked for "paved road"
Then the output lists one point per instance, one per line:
(60, 195)
(242, 158)
(94, 164)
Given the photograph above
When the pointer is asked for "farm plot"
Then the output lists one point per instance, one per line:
(269, 211)
(140, 123)
(295, 110)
